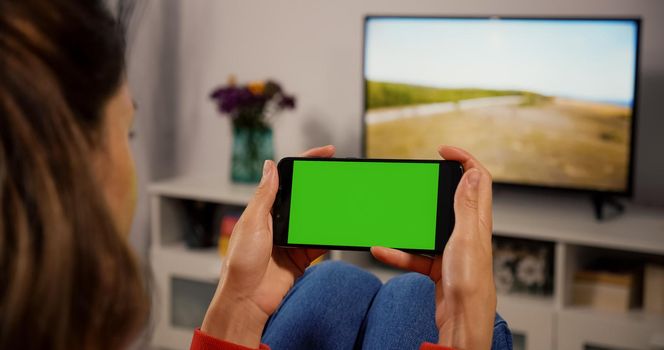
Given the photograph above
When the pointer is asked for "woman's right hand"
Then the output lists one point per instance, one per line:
(465, 290)
(256, 275)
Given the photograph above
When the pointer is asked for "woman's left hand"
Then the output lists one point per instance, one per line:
(256, 276)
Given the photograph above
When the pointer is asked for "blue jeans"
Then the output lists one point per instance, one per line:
(335, 305)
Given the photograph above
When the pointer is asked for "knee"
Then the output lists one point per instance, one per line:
(332, 286)
(404, 306)
(502, 336)
(409, 285)
(339, 274)
(327, 303)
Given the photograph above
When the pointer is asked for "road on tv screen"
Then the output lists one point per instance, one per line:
(521, 137)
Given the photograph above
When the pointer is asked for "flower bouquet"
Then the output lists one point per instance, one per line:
(250, 108)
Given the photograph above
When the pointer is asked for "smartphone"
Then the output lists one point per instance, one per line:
(354, 204)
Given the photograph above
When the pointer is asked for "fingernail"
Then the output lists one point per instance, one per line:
(266, 169)
(473, 178)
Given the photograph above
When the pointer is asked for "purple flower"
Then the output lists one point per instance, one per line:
(271, 89)
(287, 102)
(230, 98)
(248, 106)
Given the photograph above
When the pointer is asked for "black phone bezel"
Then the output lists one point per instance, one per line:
(451, 170)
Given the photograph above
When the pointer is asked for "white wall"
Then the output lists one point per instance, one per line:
(151, 56)
(186, 48)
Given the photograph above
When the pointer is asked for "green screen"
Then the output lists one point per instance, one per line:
(364, 204)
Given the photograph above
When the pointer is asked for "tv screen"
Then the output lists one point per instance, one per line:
(541, 102)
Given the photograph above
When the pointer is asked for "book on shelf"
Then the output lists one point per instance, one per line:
(226, 226)
(653, 289)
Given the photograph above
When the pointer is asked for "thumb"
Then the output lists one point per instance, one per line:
(261, 204)
(466, 203)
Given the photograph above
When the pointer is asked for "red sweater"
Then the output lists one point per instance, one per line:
(202, 341)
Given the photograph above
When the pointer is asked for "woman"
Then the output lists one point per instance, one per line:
(68, 279)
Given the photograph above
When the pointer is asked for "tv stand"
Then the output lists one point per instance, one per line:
(187, 278)
(601, 200)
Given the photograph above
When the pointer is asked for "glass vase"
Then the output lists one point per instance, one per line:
(251, 147)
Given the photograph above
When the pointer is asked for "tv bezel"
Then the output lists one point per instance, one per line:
(628, 192)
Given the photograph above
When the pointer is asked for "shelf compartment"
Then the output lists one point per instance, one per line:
(533, 317)
(579, 327)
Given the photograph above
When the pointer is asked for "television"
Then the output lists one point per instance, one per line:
(544, 102)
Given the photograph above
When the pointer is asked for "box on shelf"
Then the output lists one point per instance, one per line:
(653, 288)
(602, 290)
(523, 266)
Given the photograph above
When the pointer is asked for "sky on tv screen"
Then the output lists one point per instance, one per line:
(590, 60)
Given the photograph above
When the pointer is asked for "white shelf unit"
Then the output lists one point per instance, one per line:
(549, 322)
(172, 261)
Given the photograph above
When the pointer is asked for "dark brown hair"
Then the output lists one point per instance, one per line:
(68, 279)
